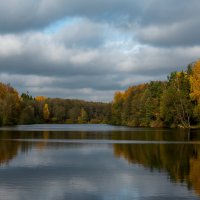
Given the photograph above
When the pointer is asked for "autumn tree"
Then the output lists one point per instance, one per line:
(83, 118)
(195, 82)
(117, 106)
(9, 105)
(195, 87)
(46, 112)
(40, 98)
(126, 111)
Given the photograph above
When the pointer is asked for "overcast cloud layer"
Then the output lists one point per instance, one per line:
(89, 49)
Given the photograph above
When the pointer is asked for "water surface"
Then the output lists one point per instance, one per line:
(98, 162)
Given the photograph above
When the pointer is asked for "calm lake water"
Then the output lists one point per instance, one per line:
(57, 162)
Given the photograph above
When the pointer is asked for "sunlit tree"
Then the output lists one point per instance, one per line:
(46, 112)
(195, 82)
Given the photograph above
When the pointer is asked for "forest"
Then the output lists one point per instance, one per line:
(25, 109)
(171, 103)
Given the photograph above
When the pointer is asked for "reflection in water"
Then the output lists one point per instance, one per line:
(180, 161)
(8, 150)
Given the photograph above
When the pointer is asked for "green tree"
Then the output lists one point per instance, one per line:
(176, 107)
(27, 115)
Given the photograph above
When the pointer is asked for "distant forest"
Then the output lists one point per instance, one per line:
(171, 103)
(24, 109)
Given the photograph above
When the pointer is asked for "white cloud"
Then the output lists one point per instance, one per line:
(9, 45)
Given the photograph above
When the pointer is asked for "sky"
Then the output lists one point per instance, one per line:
(88, 49)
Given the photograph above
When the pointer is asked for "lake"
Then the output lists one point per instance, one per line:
(57, 162)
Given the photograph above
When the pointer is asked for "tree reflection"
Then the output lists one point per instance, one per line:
(8, 150)
(180, 161)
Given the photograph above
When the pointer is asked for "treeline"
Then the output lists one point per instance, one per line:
(24, 109)
(171, 103)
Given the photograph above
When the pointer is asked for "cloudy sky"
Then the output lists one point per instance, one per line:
(88, 49)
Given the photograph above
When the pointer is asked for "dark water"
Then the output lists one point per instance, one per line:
(56, 162)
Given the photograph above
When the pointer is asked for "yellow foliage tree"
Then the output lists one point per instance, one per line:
(46, 112)
(40, 98)
(118, 96)
(195, 82)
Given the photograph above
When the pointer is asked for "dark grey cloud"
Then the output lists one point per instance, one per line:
(168, 12)
(22, 15)
(185, 33)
